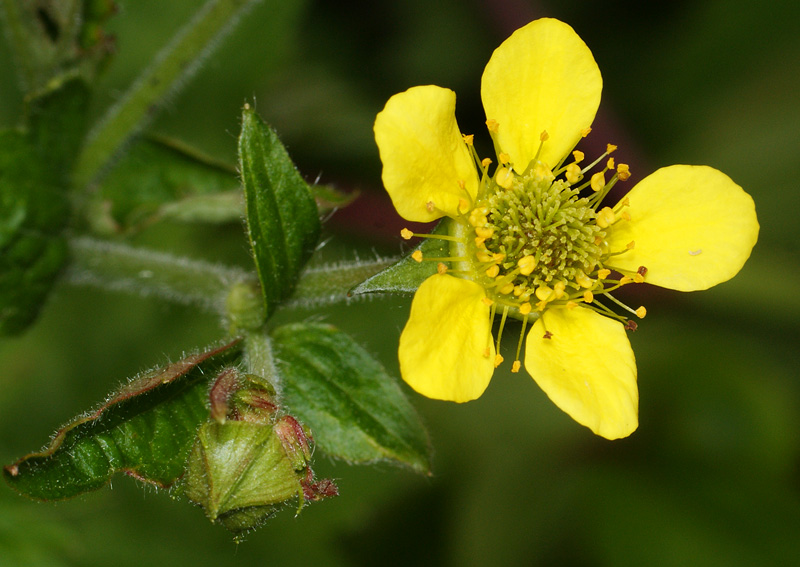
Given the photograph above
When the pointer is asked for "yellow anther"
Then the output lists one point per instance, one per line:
(487, 301)
(625, 280)
(544, 136)
(477, 218)
(623, 172)
(525, 308)
(526, 265)
(605, 217)
(598, 181)
(483, 256)
(541, 305)
(631, 245)
(504, 177)
(492, 125)
(585, 132)
(486, 162)
(484, 231)
(515, 367)
(493, 270)
(638, 278)
(625, 215)
(498, 256)
(486, 352)
(417, 255)
(430, 207)
(604, 273)
(463, 204)
(441, 268)
(544, 292)
(588, 296)
(503, 158)
(506, 289)
(479, 242)
(610, 163)
(468, 138)
(573, 173)
(641, 312)
(625, 202)
(598, 240)
(498, 360)
(406, 234)
(462, 184)
(518, 291)
(571, 304)
(578, 155)
(583, 280)
(558, 290)
(610, 148)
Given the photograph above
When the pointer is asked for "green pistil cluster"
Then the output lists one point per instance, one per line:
(546, 220)
(535, 233)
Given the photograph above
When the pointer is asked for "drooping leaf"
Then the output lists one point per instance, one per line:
(146, 429)
(355, 410)
(407, 274)
(282, 218)
(164, 178)
(33, 213)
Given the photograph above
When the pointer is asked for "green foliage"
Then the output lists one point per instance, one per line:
(161, 178)
(145, 429)
(407, 274)
(282, 218)
(355, 410)
(33, 212)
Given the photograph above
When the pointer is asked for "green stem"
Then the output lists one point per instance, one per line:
(173, 66)
(119, 267)
(331, 283)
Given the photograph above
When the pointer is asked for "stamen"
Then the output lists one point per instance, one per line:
(598, 182)
(407, 235)
(641, 312)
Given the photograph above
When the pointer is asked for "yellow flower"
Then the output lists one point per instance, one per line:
(532, 241)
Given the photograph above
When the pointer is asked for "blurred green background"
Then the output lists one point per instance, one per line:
(711, 477)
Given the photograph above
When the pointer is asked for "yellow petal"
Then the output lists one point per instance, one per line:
(446, 350)
(692, 225)
(587, 368)
(542, 78)
(427, 167)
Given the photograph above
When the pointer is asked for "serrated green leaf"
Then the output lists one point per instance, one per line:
(407, 274)
(164, 178)
(145, 429)
(282, 218)
(355, 410)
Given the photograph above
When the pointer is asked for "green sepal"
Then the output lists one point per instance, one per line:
(145, 430)
(354, 409)
(161, 178)
(406, 275)
(239, 473)
(33, 213)
(282, 219)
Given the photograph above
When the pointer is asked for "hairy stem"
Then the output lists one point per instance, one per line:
(173, 66)
(119, 267)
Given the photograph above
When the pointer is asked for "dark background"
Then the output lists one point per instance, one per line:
(711, 477)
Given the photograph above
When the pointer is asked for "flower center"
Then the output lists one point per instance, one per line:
(541, 235)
